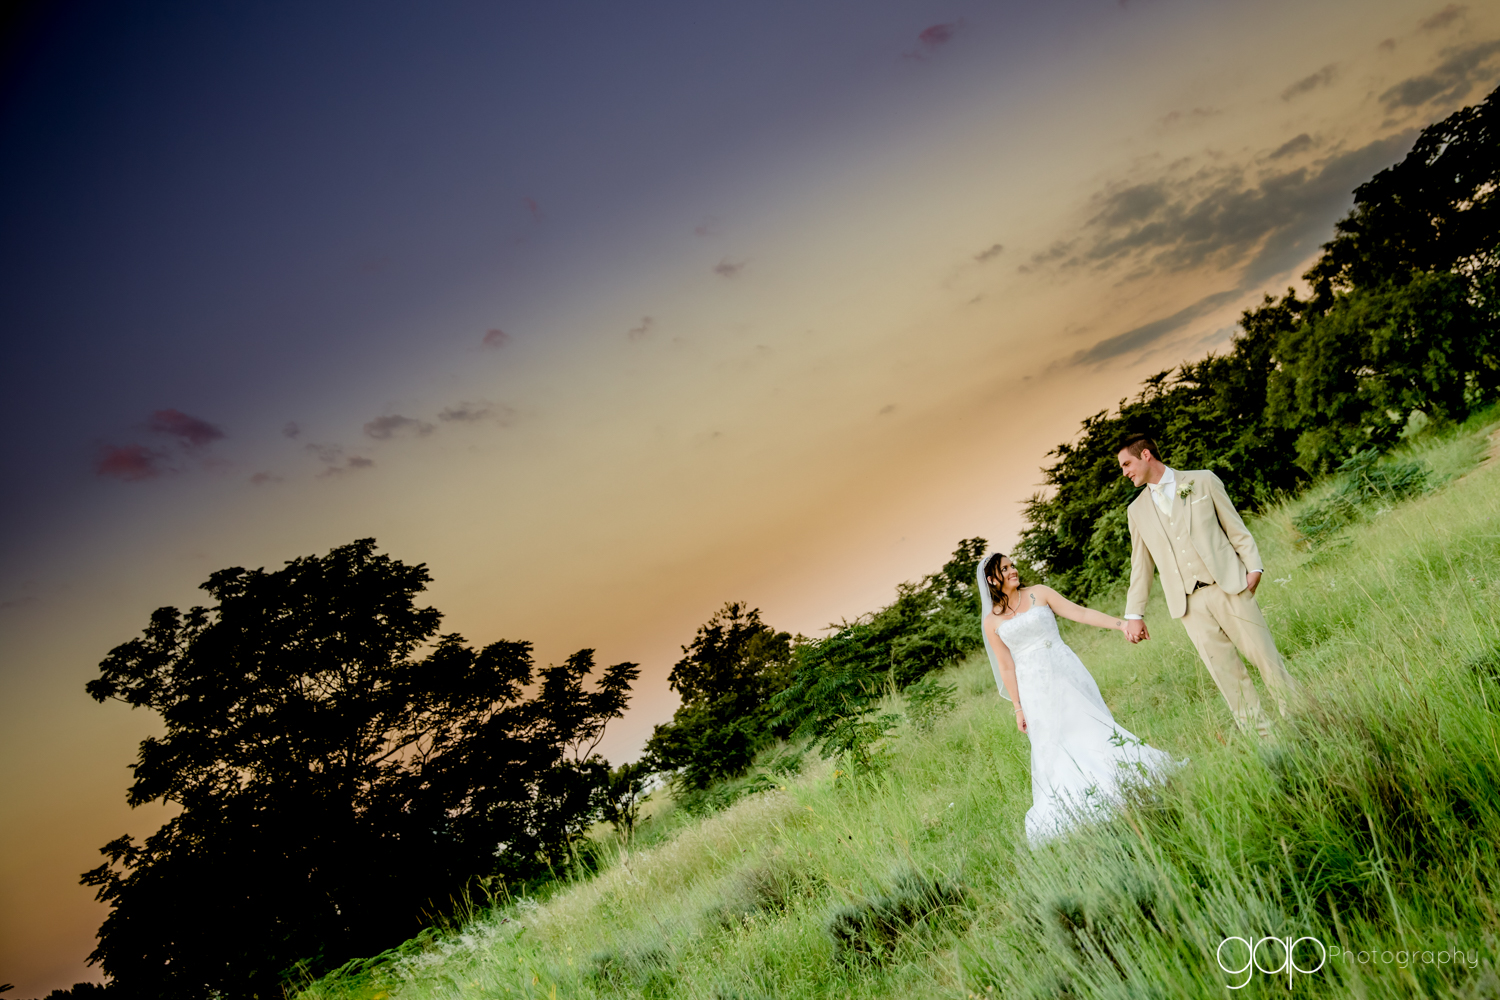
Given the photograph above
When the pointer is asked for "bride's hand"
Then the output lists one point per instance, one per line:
(1020, 719)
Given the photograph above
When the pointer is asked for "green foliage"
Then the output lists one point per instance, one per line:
(928, 700)
(859, 743)
(931, 623)
(728, 674)
(1360, 487)
(870, 929)
(1437, 210)
(333, 788)
(1351, 376)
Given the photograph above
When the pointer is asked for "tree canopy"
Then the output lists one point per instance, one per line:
(335, 787)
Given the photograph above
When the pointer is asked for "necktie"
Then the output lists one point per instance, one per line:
(1162, 497)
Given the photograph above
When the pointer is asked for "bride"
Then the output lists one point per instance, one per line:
(1079, 756)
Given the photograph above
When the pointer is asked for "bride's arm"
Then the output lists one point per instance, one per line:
(1007, 674)
(1064, 608)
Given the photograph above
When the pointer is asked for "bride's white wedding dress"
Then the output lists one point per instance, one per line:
(1079, 754)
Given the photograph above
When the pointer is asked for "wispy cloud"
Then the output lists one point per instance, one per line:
(1217, 216)
(471, 413)
(533, 208)
(1173, 117)
(729, 268)
(1444, 17)
(639, 331)
(190, 432)
(131, 462)
(933, 38)
(495, 338)
(385, 428)
(291, 430)
(1322, 78)
(989, 253)
(1147, 334)
(1462, 69)
(262, 478)
(1247, 228)
(1293, 146)
(334, 463)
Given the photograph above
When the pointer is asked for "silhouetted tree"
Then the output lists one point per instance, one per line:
(333, 787)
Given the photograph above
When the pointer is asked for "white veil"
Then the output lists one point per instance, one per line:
(986, 607)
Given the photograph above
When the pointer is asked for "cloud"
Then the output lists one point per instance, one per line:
(469, 413)
(261, 478)
(328, 454)
(291, 430)
(1214, 217)
(1389, 45)
(642, 328)
(1057, 251)
(1444, 17)
(1293, 146)
(495, 338)
(1322, 78)
(888, 408)
(19, 602)
(1148, 333)
(728, 268)
(130, 462)
(990, 253)
(1173, 117)
(385, 428)
(1218, 217)
(708, 227)
(331, 454)
(533, 208)
(934, 37)
(190, 432)
(1451, 80)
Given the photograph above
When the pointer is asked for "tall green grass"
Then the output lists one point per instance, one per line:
(1370, 822)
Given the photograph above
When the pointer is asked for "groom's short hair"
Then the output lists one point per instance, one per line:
(1137, 443)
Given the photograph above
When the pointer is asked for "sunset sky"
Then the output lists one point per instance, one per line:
(608, 313)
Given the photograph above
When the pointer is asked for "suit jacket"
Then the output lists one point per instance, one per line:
(1217, 532)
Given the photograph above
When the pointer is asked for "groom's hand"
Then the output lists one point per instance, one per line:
(1135, 630)
(1252, 580)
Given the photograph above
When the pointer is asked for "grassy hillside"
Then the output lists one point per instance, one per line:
(1370, 823)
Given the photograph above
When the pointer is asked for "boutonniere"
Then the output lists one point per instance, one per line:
(1185, 490)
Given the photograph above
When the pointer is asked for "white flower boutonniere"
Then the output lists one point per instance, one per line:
(1185, 490)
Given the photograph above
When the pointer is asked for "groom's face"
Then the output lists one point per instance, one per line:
(1135, 467)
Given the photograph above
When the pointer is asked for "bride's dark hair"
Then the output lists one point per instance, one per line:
(992, 573)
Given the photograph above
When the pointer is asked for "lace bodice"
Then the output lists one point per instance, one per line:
(1029, 630)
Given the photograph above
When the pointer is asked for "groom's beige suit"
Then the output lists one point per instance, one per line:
(1203, 552)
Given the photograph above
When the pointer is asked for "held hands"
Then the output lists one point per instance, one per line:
(1135, 630)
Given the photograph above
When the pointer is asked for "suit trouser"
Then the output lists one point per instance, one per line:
(1218, 623)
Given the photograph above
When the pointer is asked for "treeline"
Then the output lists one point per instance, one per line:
(744, 686)
(1398, 330)
(337, 792)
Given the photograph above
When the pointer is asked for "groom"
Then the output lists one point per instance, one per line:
(1186, 529)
